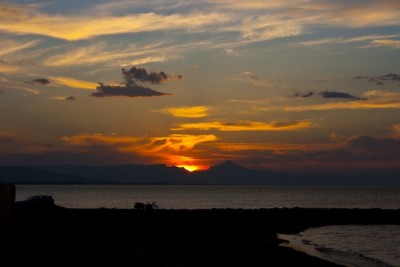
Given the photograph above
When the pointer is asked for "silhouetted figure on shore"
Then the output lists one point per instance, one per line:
(147, 206)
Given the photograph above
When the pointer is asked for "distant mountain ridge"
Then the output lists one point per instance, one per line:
(225, 173)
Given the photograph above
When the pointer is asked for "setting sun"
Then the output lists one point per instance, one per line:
(190, 168)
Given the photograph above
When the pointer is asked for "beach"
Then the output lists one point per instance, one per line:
(58, 236)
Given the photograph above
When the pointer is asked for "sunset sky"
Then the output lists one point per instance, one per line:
(298, 85)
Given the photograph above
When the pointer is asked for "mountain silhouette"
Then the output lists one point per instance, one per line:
(224, 173)
(226, 167)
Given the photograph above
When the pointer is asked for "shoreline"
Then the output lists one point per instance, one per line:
(336, 257)
(213, 237)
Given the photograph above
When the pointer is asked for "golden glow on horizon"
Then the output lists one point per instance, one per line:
(177, 142)
(188, 163)
(190, 168)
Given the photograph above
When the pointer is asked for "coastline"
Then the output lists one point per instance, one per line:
(216, 237)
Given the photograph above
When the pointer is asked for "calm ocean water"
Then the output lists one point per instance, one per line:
(204, 197)
(364, 246)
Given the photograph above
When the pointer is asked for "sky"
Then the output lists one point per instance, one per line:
(296, 85)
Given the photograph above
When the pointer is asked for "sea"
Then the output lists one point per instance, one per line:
(349, 245)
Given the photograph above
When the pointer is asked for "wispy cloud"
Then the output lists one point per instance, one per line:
(385, 43)
(9, 68)
(343, 40)
(11, 46)
(10, 85)
(246, 126)
(76, 27)
(381, 79)
(63, 98)
(120, 55)
(258, 20)
(374, 99)
(303, 95)
(74, 83)
(187, 112)
(88, 140)
(250, 78)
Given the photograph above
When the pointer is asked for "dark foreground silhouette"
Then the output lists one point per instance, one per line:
(55, 236)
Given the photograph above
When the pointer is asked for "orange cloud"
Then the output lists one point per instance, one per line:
(278, 148)
(9, 69)
(187, 112)
(246, 126)
(74, 28)
(175, 143)
(88, 140)
(396, 130)
(74, 83)
(174, 149)
(385, 43)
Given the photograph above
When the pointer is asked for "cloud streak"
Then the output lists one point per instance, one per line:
(385, 43)
(380, 80)
(303, 95)
(257, 20)
(187, 112)
(73, 28)
(275, 126)
(373, 99)
(341, 40)
(8, 47)
(73, 83)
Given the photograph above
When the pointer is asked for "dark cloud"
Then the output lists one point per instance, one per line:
(333, 94)
(7, 138)
(134, 75)
(70, 98)
(131, 88)
(301, 94)
(41, 81)
(390, 77)
(376, 145)
(127, 90)
(379, 80)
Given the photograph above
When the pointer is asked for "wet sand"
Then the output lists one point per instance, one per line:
(216, 237)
